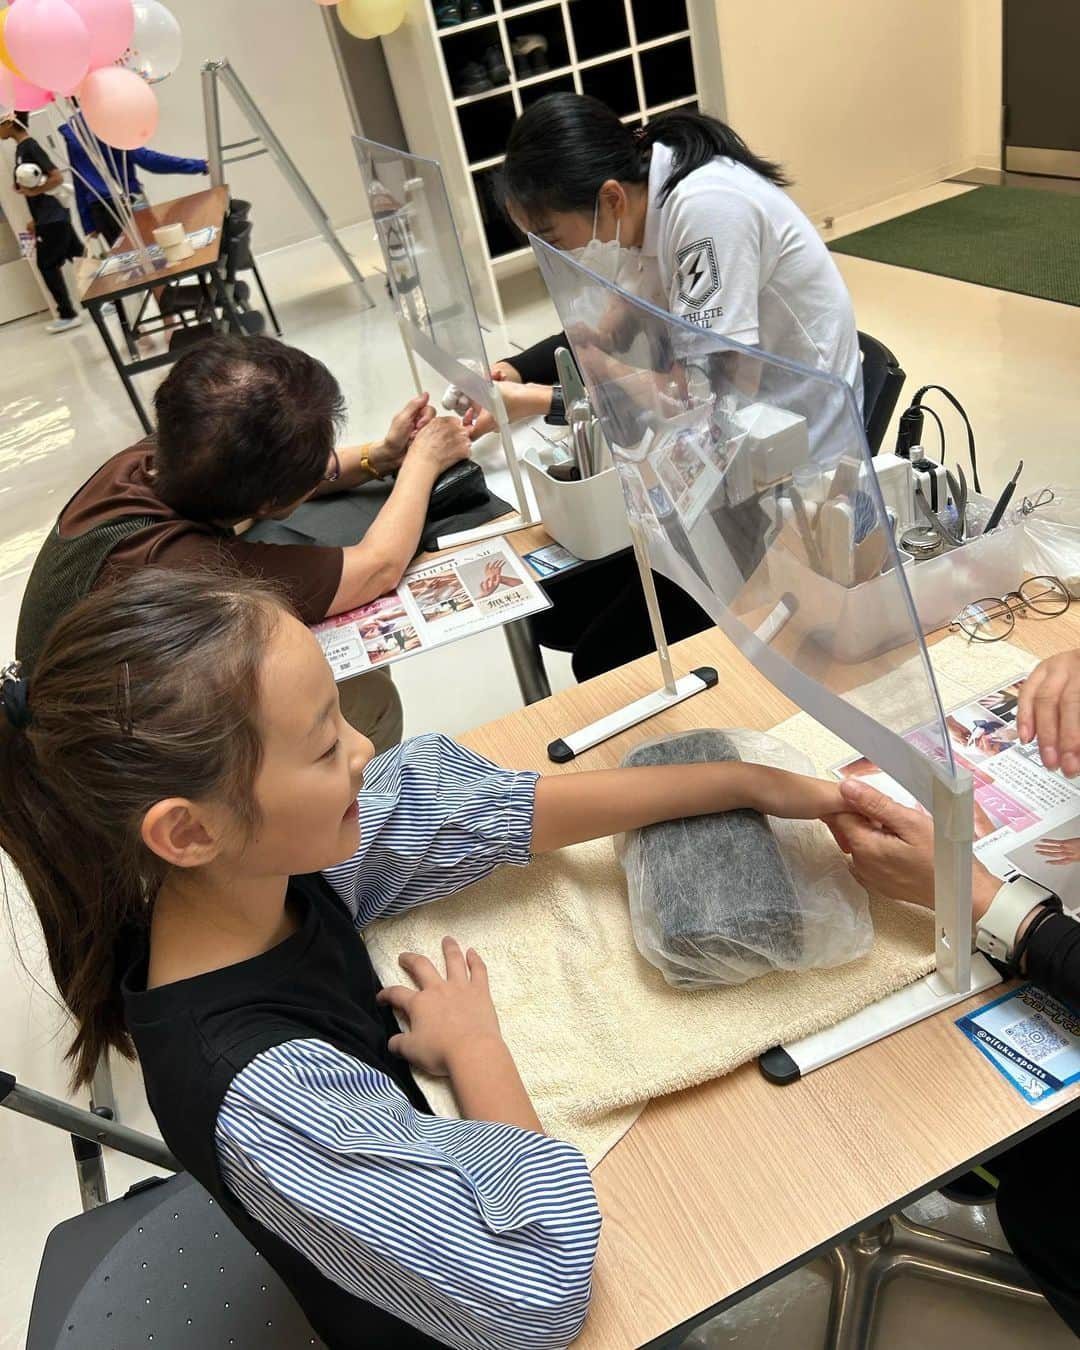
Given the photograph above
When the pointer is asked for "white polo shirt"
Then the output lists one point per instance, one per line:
(736, 255)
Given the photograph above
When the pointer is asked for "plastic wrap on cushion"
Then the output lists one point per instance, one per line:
(721, 899)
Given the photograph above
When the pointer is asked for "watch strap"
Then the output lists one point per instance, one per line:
(996, 930)
(556, 417)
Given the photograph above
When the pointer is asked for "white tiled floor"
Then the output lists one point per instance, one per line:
(1010, 359)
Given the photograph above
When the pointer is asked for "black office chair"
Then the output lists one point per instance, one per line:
(162, 1265)
(882, 381)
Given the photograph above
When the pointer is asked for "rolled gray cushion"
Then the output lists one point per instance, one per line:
(723, 900)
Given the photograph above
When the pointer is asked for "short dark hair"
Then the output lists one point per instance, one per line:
(243, 424)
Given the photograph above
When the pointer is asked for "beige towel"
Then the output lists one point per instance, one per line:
(594, 1029)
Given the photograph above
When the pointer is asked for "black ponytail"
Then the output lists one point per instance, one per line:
(564, 147)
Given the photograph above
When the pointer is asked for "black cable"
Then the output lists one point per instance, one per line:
(917, 402)
(940, 427)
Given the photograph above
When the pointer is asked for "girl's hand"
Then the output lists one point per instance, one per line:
(794, 796)
(444, 1014)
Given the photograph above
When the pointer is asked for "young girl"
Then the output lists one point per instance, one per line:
(202, 835)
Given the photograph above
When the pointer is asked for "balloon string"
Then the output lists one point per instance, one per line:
(119, 208)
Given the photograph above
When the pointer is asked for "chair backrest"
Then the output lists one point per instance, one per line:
(165, 1265)
(882, 381)
(238, 251)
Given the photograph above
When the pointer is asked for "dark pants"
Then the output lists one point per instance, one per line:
(105, 223)
(599, 615)
(56, 244)
(1038, 1203)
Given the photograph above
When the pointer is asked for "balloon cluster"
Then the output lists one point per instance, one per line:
(105, 53)
(368, 18)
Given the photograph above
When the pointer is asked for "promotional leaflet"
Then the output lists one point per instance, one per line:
(450, 597)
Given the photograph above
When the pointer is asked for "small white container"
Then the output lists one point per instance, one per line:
(168, 235)
(587, 517)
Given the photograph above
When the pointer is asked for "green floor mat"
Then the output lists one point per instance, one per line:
(1016, 239)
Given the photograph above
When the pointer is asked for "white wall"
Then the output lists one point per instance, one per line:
(280, 50)
(985, 91)
(861, 99)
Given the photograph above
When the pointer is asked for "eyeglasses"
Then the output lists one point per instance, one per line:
(992, 619)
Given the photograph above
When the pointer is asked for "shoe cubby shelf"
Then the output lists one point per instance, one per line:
(461, 85)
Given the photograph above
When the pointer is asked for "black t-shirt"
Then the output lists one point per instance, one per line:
(45, 210)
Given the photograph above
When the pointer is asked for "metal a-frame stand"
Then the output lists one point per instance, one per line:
(216, 73)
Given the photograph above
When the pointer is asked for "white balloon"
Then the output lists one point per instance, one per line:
(156, 44)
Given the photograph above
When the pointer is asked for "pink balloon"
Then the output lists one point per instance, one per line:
(110, 24)
(49, 43)
(16, 93)
(118, 106)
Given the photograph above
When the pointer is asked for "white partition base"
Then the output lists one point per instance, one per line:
(569, 747)
(479, 532)
(787, 1063)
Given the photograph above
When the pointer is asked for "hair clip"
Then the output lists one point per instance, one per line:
(123, 700)
(14, 692)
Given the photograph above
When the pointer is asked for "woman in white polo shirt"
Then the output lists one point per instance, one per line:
(721, 243)
(717, 241)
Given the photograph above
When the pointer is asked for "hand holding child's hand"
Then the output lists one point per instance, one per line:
(443, 1014)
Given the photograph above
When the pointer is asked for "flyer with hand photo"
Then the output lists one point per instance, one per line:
(1027, 817)
(437, 602)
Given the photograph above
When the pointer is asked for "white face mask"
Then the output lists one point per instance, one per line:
(625, 267)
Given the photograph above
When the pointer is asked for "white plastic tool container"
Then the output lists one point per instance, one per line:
(587, 517)
(855, 622)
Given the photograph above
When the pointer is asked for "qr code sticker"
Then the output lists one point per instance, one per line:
(1035, 1038)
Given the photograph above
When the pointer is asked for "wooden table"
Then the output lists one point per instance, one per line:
(195, 212)
(719, 1190)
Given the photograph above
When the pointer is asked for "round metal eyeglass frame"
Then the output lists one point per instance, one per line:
(993, 618)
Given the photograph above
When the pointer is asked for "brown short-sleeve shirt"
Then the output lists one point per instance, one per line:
(124, 486)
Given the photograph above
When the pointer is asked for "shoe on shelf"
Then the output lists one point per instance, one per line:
(496, 65)
(62, 325)
(473, 79)
(447, 13)
(530, 54)
(475, 9)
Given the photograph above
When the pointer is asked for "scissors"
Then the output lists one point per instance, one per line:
(958, 490)
(948, 538)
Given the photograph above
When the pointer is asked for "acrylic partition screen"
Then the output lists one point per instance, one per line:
(420, 246)
(752, 483)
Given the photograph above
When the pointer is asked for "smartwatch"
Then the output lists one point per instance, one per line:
(556, 417)
(995, 932)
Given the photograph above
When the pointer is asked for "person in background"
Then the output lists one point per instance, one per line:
(50, 220)
(696, 223)
(92, 194)
(892, 854)
(683, 214)
(204, 837)
(246, 428)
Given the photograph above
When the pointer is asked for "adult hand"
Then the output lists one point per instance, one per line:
(521, 400)
(1049, 710)
(404, 427)
(1059, 852)
(503, 370)
(443, 441)
(443, 1013)
(892, 848)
